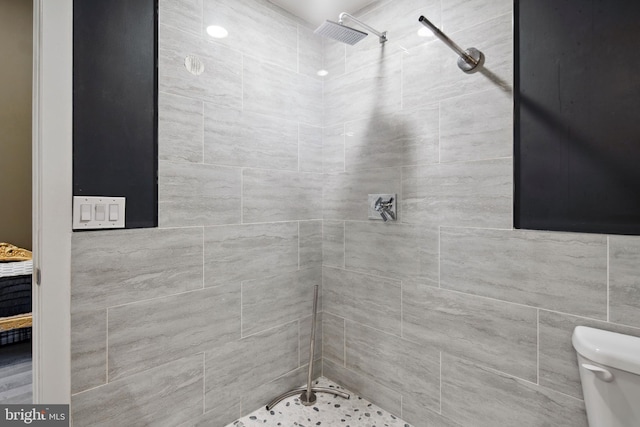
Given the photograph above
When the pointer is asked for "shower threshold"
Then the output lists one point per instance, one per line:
(327, 411)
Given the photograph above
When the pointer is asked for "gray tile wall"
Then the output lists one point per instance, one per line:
(450, 317)
(207, 317)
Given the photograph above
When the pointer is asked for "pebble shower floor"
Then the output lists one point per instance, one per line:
(328, 411)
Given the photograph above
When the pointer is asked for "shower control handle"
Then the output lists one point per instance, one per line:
(385, 209)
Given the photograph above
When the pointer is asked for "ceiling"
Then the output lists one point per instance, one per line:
(316, 11)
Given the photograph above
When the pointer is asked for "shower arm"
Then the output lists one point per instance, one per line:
(442, 36)
(382, 35)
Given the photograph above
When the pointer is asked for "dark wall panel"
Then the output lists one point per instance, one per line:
(577, 165)
(115, 104)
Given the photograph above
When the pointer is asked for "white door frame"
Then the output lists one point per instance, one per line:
(52, 190)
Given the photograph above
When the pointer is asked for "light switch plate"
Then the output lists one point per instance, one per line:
(111, 209)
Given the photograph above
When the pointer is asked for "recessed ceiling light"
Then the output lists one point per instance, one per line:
(322, 73)
(217, 31)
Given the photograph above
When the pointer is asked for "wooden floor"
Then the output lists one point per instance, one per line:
(15, 373)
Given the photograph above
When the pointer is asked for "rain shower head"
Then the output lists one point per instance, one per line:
(340, 32)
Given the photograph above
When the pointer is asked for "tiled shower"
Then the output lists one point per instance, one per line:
(447, 317)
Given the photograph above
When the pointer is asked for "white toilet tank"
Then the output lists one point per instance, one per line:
(609, 366)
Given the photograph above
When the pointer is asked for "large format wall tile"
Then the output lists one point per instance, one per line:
(197, 195)
(333, 338)
(264, 393)
(370, 300)
(346, 195)
(304, 334)
(476, 127)
(309, 52)
(310, 243)
(88, 350)
(333, 149)
(234, 369)
(242, 252)
(333, 57)
(363, 93)
(541, 269)
(179, 128)
(310, 149)
(163, 396)
(398, 364)
(460, 14)
(221, 81)
(275, 91)
(392, 140)
(624, 280)
(399, 19)
(278, 299)
(558, 359)
(217, 417)
(414, 412)
(185, 15)
(153, 332)
(364, 387)
(469, 194)
(233, 137)
(497, 334)
(397, 251)
(258, 395)
(116, 267)
(256, 30)
(475, 396)
(333, 243)
(421, 129)
(430, 73)
(269, 195)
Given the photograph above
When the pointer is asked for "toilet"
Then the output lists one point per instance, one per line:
(609, 366)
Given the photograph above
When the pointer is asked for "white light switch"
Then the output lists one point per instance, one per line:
(113, 212)
(100, 212)
(94, 212)
(85, 212)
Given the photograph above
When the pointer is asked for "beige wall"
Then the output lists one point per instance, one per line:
(15, 121)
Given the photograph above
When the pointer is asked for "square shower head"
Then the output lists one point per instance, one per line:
(339, 32)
